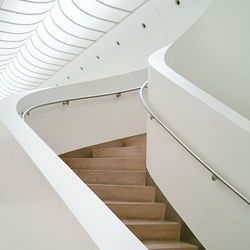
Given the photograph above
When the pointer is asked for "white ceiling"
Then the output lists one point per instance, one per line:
(37, 38)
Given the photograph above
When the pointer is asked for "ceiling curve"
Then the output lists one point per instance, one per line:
(39, 37)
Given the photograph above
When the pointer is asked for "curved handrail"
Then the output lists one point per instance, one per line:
(66, 101)
(215, 175)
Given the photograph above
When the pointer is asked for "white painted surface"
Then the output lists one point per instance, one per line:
(164, 20)
(46, 187)
(88, 122)
(215, 132)
(213, 54)
(32, 215)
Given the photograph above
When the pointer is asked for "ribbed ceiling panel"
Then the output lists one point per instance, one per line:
(38, 37)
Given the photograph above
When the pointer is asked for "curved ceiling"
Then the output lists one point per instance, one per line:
(38, 37)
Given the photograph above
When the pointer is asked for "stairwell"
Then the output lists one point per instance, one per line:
(118, 176)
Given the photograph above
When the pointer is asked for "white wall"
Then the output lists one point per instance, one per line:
(32, 215)
(88, 122)
(39, 188)
(164, 20)
(213, 54)
(215, 132)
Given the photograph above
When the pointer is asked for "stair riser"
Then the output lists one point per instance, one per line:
(139, 152)
(113, 177)
(106, 164)
(139, 211)
(119, 193)
(156, 232)
(164, 245)
(136, 141)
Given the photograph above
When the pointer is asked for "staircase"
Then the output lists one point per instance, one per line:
(118, 176)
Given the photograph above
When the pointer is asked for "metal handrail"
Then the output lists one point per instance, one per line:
(215, 175)
(67, 101)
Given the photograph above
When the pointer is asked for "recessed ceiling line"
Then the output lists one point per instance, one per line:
(9, 54)
(19, 24)
(96, 17)
(43, 2)
(2, 89)
(16, 33)
(33, 77)
(65, 52)
(17, 47)
(6, 86)
(4, 64)
(53, 20)
(100, 31)
(6, 60)
(34, 64)
(22, 13)
(11, 41)
(76, 46)
(113, 7)
(17, 59)
(7, 73)
(21, 87)
(53, 57)
(54, 64)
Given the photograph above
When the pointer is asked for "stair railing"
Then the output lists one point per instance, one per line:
(65, 102)
(215, 175)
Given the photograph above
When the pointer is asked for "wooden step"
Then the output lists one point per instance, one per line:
(124, 192)
(120, 177)
(154, 230)
(138, 210)
(106, 163)
(165, 245)
(132, 151)
(135, 141)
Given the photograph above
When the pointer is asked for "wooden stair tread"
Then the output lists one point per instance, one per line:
(138, 210)
(166, 245)
(124, 192)
(132, 202)
(117, 175)
(106, 163)
(149, 222)
(154, 229)
(127, 152)
(122, 177)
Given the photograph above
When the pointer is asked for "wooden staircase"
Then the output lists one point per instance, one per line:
(118, 176)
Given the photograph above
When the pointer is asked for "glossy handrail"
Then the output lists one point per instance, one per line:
(215, 175)
(66, 101)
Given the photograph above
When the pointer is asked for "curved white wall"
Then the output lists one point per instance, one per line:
(46, 205)
(32, 215)
(88, 122)
(214, 131)
(213, 54)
